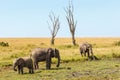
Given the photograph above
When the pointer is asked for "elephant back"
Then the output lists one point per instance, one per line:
(35, 52)
(28, 61)
(38, 54)
(86, 45)
(83, 47)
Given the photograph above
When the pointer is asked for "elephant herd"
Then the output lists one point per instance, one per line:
(40, 54)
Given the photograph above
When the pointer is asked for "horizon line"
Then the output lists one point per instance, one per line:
(68, 37)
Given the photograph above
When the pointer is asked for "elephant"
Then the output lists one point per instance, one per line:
(44, 54)
(20, 63)
(86, 48)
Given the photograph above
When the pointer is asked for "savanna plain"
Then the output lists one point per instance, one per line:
(72, 65)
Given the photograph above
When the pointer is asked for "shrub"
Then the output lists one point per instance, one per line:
(117, 43)
(115, 55)
(4, 44)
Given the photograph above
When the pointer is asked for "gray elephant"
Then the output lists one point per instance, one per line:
(20, 63)
(40, 54)
(86, 48)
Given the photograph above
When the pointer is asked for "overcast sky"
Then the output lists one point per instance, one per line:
(28, 18)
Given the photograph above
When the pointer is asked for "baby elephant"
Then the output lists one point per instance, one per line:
(21, 63)
(86, 48)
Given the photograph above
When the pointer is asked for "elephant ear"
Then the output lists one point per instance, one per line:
(20, 61)
(50, 52)
(56, 53)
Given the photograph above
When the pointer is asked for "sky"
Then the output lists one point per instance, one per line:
(28, 18)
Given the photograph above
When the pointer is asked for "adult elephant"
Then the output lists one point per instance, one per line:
(86, 48)
(40, 54)
(20, 63)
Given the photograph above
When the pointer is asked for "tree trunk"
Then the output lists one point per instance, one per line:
(73, 40)
(52, 41)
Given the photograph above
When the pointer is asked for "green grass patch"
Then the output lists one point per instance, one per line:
(88, 70)
(5, 63)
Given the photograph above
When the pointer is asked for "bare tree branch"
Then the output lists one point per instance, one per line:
(55, 25)
(49, 27)
(70, 19)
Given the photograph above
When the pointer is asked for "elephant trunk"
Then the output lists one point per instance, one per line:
(91, 51)
(14, 67)
(92, 54)
(58, 64)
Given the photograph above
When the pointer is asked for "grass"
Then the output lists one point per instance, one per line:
(73, 66)
(88, 70)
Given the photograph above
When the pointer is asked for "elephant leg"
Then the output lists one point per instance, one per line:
(81, 54)
(32, 70)
(48, 63)
(81, 51)
(88, 54)
(29, 70)
(93, 56)
(35, 65)
(84, 53)
(22, 70)
(18, 70)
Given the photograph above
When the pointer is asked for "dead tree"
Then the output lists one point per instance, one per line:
(55, 25)
(71, 23)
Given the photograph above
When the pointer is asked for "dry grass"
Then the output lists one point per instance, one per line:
(23, 46)
(58, 41)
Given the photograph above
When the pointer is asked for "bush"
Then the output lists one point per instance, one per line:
(117, 43)
(4, 44)
(115, 55)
